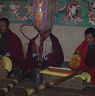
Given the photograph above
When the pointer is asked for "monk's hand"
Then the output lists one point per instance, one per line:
(40, 64)
(74, 61)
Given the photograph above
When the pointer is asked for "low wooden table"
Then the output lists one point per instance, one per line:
(20, 90)
(58, 90)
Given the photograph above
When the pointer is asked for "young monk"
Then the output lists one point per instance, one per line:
(84, 56)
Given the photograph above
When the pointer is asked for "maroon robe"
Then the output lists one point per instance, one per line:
(11, 44)
(82, 50)
(55, 58)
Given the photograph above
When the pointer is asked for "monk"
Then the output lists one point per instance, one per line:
(10, 46)
(85, 55)
(44, 50)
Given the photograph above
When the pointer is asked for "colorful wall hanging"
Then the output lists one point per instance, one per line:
(76, 13)
(73, 12)
(43, 14)
(91, 13)
(68, 12)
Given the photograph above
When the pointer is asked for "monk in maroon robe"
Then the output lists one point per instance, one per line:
(10, 45)
(52, 54)
(86, 52)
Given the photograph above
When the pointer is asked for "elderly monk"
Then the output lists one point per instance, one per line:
(10, 46)
(84, 56)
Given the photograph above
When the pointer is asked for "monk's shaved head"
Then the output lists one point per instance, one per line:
(90, 31)
(90, 35)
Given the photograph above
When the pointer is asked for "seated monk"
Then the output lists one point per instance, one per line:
(44, 50)
(10, 46)
(84, 56)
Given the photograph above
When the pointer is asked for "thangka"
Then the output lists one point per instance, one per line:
(18, 11)
(68, 12)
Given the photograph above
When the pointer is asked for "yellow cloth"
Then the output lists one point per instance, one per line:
(7, 63)
(85, 76)
(75, 61)
(54, 73)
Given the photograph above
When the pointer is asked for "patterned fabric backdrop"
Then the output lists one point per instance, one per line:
(68, 12)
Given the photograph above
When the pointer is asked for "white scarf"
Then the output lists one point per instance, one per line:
(47, 46)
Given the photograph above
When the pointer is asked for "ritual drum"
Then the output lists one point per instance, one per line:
(43, 14)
